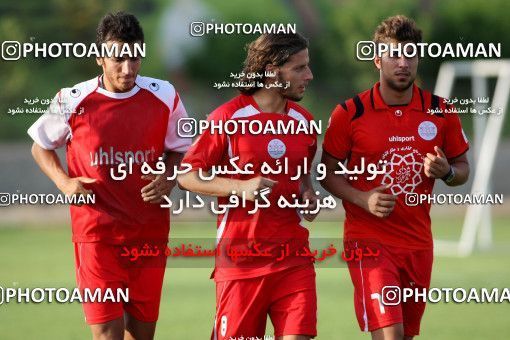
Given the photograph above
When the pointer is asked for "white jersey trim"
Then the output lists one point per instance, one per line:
(119, 95)
(167, 94)
(298, 116)
(246, 111)
(221, 228)
(52, 129)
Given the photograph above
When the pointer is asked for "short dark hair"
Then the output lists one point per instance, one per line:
(120, 26)
(399, 28)
(273, 49)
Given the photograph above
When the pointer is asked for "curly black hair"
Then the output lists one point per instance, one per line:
(119, 26)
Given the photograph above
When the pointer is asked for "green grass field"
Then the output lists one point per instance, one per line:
(43, 257)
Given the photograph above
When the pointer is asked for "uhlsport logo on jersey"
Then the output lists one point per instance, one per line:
(108, 156)
(276, 148)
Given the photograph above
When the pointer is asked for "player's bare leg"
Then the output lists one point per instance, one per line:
(393, 332)
(293, 337)
(138, 330)
(111, 330)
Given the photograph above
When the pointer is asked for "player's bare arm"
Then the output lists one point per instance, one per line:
(159, 185)
(375, 201)
(454, 171)
(308, 193)
(50, 164)
(223, 187)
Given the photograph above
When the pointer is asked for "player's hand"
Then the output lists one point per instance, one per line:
(159, 186)
(255, 184)
(379, 203)
(436, 166)
(74, 186)
(309, 194)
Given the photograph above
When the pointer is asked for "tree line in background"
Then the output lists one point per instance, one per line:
(333, 26)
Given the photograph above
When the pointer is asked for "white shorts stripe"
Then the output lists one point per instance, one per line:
(365, 318)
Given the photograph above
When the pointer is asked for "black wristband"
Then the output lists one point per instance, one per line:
(449, 176)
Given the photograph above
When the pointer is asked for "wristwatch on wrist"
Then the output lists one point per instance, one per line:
(448, 178)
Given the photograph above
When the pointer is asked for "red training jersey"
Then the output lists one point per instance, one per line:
(102, 129)
(365, 127)
(269, 227)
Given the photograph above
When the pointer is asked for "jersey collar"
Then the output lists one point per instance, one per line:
(378, 103)
(249, 100)
(118, 95)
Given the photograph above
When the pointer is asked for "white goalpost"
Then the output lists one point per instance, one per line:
(477, 227)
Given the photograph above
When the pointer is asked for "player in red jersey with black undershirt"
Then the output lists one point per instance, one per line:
(249, 289)
(116, 118)
(390, 123)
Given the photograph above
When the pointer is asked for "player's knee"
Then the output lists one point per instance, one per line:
(112, 330)
(138, 330)
(107, 334)
(393, 332)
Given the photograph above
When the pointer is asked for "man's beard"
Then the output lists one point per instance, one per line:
(285, 92)
(398, 87)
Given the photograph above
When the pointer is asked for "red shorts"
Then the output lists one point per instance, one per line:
(288, 296)
(394, 266)
(100, 265)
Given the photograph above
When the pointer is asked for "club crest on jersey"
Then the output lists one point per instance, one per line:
(427, 130)
(276, 148)
(403, 171)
